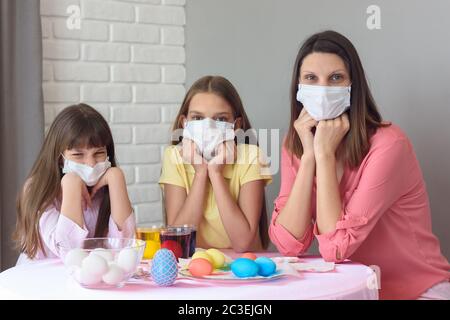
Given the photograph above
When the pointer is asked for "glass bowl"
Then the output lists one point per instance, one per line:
(99, 263)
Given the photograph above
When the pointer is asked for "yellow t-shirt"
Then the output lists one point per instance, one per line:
(250, 165)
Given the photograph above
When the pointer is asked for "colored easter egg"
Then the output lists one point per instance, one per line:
(266, 266)
(173, 246)
(150, 248)
(249, 255)
(164, 267)
(202, 255)
(243, 268)
(218, 259)
(128, 260)
(200, 267)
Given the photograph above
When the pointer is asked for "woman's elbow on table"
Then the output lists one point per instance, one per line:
(340, 244)
(335, 250)
(332, 256)
(287, 244)
(287, 252)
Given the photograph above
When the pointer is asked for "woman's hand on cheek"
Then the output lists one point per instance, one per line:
(304, 125)
(329, 134)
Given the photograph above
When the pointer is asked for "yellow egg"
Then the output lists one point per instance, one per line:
(218, 259)
(202, 255)
(150, 248)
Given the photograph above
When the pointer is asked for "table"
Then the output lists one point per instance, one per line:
(48, 279)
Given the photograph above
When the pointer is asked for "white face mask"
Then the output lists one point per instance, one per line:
(90, 175)
(208, 134)
(324, 102)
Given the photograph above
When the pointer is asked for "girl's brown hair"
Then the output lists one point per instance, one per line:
(223, 88)
(219, 86)
(363, 114)
(76, 126)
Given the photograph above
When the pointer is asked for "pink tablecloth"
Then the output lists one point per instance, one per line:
(48, 279)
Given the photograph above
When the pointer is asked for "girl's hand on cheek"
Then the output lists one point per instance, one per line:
(329, 134)
(71, 182)
(226, 154)
(190, 155)
(111, 175)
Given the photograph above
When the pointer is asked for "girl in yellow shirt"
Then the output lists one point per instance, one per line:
(212, 176)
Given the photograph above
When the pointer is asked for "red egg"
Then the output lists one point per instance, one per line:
(249, 255)
(200, 267)
(173, 246)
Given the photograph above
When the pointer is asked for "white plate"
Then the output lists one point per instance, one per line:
(219, 275)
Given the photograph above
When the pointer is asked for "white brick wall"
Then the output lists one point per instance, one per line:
(127, 60)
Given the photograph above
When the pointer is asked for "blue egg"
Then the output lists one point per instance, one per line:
(266, 266)
(164, 268)
(243, 268)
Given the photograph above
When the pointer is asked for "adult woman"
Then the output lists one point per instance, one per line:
(352, 180)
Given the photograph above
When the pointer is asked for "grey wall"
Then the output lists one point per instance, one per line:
(254, 43)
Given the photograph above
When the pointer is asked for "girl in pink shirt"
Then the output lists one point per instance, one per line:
(75, 190)
(353, 181)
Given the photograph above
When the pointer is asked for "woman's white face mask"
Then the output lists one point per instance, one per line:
(90, 175)
(208, 134)
(324, 102)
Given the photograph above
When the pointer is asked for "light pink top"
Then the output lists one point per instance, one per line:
(385, 219)
(55, 228)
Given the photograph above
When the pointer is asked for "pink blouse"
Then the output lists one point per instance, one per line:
(59, 232)
(385, 219)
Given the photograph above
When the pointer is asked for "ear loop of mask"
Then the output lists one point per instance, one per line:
(63, 162)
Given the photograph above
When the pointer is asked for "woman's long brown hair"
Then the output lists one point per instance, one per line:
(76, 126)
(223, 88)
(363, 113)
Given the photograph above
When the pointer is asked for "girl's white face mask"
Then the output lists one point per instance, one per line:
(90, 175)
(208, 134)
(324, 102)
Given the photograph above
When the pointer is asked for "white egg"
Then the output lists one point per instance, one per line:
(77, 274)
(95, 265)
(110, 263)
(75, 257)
(87, 278)
(128, 259)
(114, 276)
(104, 253)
